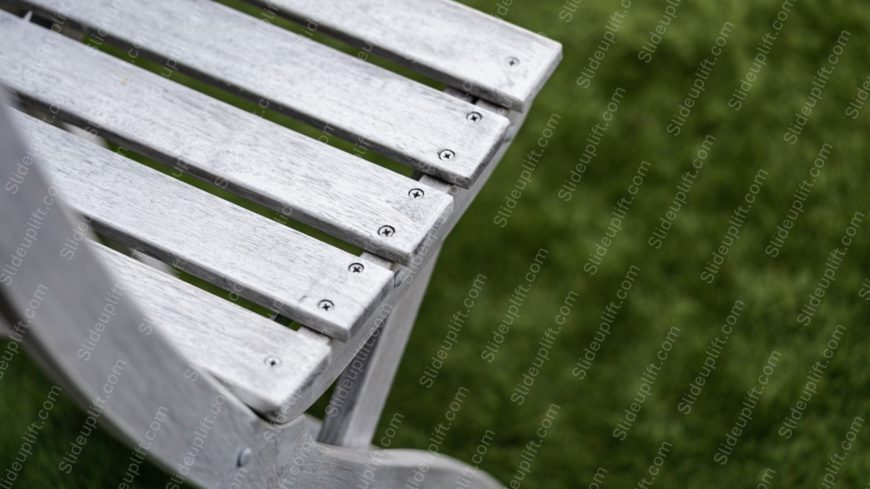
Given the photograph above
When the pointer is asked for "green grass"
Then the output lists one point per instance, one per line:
(668, 291)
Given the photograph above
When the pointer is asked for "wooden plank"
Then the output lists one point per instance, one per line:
(332, 467)
(297, 176)
(343, 352)
(403, 119)
(260, 259)
(73, 306)
(463, 197)
(457, 45)
(361, 392)
(262, 362)
(211, 440)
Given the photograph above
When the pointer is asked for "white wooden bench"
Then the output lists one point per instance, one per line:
(193, 353)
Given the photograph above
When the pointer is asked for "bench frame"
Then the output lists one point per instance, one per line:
(262, 454)
(356, 417)
(240, 449)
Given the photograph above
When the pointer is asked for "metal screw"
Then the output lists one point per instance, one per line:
(325, 305)
(356, 268)
(446, 154)
(273, 361)
(386, 231)
(474, 116)
(244, 457)
(512, 61)
(416, 193)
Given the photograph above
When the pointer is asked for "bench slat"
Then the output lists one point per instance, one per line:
(260, 259)
(403, 119)
(292, 174)
(450, 42)
(233, 344)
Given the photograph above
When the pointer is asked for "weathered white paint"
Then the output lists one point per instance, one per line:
(260, 259)
(261, 361)
(450, 42)
(191, 132)
(403, 119)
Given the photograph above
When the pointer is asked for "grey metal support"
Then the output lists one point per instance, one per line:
(361, 392)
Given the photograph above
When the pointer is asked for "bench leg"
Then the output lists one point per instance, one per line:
(362, 390)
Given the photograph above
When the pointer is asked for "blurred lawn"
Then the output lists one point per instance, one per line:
(668, 291)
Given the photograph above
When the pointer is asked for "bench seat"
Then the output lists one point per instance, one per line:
(309, 232)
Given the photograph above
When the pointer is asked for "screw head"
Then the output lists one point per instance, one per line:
(512, 61)
(244, 457)
(356, 267)
(474, 116)
(325, 305)
(416, 193)
(446, 154)
(272, 361)
(386, 231)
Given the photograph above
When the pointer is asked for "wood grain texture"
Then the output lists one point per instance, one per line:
(277, 459)
(191, 132)
(457, 45)
(354, 417)
(396, 116)
(343, 352)
(255, 257)
(361, 393)
(332, 467)
(197, 415)
(262, 362)
(463, 197)
(84, 330)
